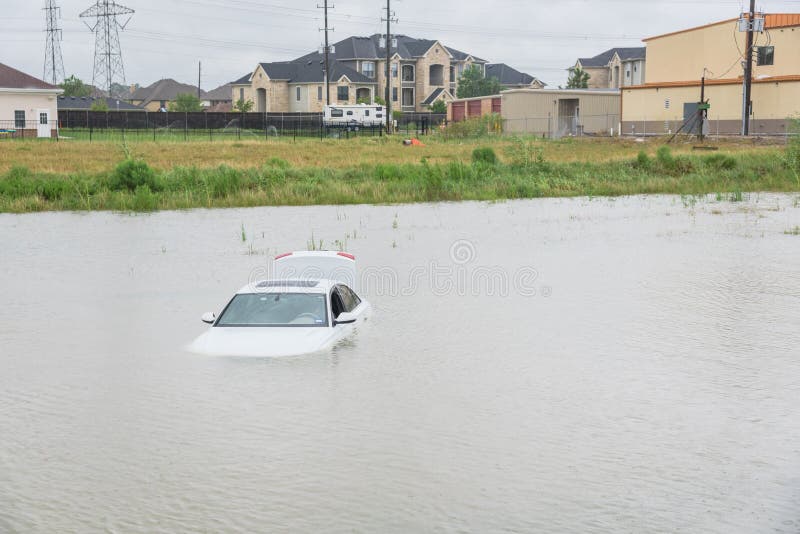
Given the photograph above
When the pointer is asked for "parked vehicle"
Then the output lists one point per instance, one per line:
(360, 115)
(308, 307)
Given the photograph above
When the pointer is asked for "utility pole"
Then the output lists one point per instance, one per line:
(388, 92)
(108, 64)
(199, 77)
(53, 61)
(748, 70)
(326, 68)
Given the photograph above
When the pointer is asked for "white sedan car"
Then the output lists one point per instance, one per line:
(308, 307)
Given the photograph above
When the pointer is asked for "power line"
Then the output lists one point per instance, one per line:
(108, 65)
(53, 60)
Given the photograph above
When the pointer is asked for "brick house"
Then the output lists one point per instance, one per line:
(160, 94)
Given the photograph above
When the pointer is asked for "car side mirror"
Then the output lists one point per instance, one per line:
(345, 318)
(209, 318)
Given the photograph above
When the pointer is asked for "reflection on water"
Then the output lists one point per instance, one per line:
(643, 377)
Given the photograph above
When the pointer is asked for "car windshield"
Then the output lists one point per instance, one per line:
(276, 309)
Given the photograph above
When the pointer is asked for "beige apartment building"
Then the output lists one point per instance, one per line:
(677, 61)
(421, 72)
(614, 68)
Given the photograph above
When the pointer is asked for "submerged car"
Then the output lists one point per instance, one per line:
(308, 307)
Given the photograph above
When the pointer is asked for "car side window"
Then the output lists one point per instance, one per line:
(337, 306)
(349, 298)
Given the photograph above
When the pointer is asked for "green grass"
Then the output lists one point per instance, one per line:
(134, 186)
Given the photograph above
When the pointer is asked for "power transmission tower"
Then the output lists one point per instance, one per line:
(326, 67)
(53, 61)
(388, 20)
(108, 65)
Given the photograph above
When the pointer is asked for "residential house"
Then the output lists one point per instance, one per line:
(84, 103)
(614, 68)
(677, 61)
(220, 99)
(511, 78)
(159, 95)
(422, 71)
(28, 105)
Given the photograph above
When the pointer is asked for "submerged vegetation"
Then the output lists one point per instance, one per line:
(520, 168)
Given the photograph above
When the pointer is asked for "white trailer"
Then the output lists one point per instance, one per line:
(360, 115)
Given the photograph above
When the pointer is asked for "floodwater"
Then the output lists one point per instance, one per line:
(566, 365)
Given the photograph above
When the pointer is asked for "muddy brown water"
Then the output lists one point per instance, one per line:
(567, 365)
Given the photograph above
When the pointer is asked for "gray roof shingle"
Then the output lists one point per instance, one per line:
(85, 102)
(167, 89)
(509, 76)
(311, 71)
(625, 54)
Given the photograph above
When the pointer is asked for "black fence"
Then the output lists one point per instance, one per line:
(145, 125)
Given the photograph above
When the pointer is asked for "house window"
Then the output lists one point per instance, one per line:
(627, 74)
(766, 55)
(368, 69)
(408, 73)
(452, 74)
(460, 69)
(241, 94)
(319, 92)
(162, 104)
(408, 97)
(43, 118)
(394, 94)
(394, 70)
(19, 119)
(343, 93)
(635, 68)
(297, 94)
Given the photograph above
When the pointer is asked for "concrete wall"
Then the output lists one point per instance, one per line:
(683, 56)
(659, 110)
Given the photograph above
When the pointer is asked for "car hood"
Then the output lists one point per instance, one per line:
(263, 341)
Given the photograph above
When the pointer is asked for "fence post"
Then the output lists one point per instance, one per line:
(186, 126)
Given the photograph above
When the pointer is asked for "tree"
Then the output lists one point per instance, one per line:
(380, 101)
(438, 107)
(243, 106)
(578, 79)
(73, 86)
(473, 83)
(185, 103)
(99, 104)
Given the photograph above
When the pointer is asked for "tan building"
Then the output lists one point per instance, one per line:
(614, 68)
(550, 113)
(676, 62)
(28, 105)
(422, 71)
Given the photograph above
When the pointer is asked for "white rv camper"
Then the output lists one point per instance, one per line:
(360, 115)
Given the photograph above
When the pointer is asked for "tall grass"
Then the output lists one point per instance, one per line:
(524, 173)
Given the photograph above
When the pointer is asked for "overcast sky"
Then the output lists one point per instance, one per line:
(167, 38)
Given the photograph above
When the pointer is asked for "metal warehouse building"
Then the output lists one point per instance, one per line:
(547, 112)
(561, 112)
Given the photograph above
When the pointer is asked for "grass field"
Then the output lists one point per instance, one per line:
(143, 176)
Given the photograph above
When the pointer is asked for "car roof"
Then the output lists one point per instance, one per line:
(288, 286)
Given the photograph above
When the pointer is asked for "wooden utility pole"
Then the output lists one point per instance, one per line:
(199, 77)
(326, 63)
(388, 92)
(748, 71)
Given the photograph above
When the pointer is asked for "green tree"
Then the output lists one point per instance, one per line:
(379, 101)
(578, 79)
(243, 106)
(73, 86)
(99, 104)
(473, 83)
(185, 103)
(438, 107)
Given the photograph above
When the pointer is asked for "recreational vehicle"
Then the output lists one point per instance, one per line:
(360, 115)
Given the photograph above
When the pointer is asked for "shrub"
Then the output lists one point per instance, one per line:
(223, 181)
(484, 155)
(144, 199)
(131, 174)
(474, 128)
(665, 157)
(793, 148)
(642, 160)
(524, 153)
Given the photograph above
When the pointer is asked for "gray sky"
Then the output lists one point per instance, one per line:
(166, 39)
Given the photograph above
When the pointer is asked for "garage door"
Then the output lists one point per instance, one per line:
(458, 111)
(474, 108)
